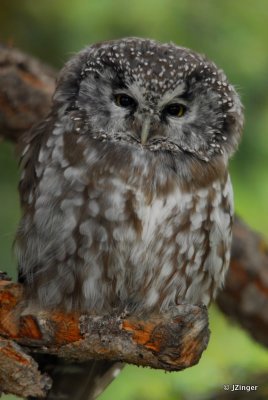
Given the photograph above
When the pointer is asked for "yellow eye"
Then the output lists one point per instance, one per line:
(123, 100)
(175, 110)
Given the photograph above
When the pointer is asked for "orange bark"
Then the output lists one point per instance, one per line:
(172, 341)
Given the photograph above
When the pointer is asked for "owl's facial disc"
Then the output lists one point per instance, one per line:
(152, 96)
(173, 122)
(174, 109)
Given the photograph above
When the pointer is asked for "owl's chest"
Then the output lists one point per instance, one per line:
(134, 215)
(135, 212)
(132, 233)
(170, 240)
(142, 225)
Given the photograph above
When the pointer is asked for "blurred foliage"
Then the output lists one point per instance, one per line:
(233, 34)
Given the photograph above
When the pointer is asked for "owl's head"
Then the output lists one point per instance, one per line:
(155, 97)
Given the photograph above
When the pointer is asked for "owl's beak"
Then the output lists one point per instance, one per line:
(145, 130)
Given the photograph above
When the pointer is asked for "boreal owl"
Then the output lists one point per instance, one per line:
(126, 197)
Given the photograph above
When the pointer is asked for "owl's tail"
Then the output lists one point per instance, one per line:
(77, 381)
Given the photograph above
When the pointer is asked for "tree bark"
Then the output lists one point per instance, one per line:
(26, 88)
(172, 342)
(245, 296)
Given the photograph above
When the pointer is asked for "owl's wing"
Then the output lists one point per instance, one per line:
(77, 381)
(29, 149)
(71, 381)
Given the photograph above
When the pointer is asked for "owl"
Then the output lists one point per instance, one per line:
(126, 197)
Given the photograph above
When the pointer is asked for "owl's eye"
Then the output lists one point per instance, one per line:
(175, 110)
(123, 100)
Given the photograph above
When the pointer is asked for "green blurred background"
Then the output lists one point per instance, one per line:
(232, 33)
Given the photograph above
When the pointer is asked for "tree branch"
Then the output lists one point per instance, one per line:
(172, 342)
(245, 296)
(26, 87)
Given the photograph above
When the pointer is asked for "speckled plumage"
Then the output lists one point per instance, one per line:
(112, 220)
